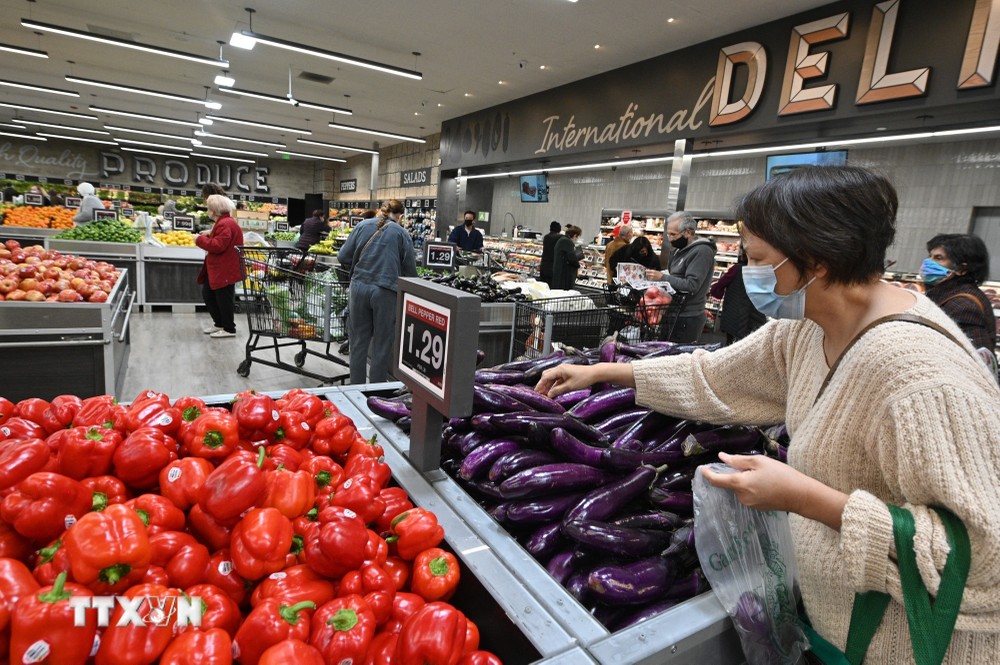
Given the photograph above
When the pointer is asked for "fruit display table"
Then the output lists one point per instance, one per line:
(119, 254)
(170, 274)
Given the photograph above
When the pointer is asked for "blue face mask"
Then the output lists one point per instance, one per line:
(760, 282)
(933, 272)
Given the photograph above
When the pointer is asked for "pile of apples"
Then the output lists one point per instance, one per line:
(35, 274)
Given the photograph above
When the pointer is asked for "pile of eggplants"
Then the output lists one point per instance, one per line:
(595, 487)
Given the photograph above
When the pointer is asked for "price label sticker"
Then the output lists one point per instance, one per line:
(424, 343)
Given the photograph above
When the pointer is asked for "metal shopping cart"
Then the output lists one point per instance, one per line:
(636, 320)
(291, 299)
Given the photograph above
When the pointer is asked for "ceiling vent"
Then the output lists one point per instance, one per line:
(316, 78)
(108, 32)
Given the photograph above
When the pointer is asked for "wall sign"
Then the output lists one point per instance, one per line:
(349, 185)
(440, 255)
(415, 178)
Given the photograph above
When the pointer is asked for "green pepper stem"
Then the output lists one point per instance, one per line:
(99, 502)
(213, 439)
(291, 613)
(57, 592)
(323, 478)
(261, 456)
(343, 620)
(439, 566)
(46, 554)
(114, 574)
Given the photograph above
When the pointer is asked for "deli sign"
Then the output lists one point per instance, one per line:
(415, 178)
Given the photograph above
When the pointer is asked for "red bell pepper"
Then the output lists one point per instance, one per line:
(139, 645)
(62, 409)
(222, 574)
(304, 403)
(87, 451)
(153, 411)
(32, 409)
(282, 456)
(293, 585)
(96, 412)
(323, 470)
(12, 544)
(415, 531)
(370, 577)
(260, 543)
(293, 493)
(49, 562)
(360, 494)
(154, 575)
(181, 480)
(270, 623)
(399, 569)
(235, 486)
(404, 605)
(397, 502)
(434, 635)
(190, 408)
(435, 574)
(16, 582)
(380, 603)
(382, 648)
(338, 545)
(343, 629)
(184, 559)
(207, 530)
(19, 458)
(203, 647)
(150, 396)
(373, 467)
(479, 658)
(42, 627)
(21, 428)
(366, 447)
(140, 457)
(44, 505)
(376, 550)
(106, 491)
(218, 609)
(471, 637)
(294, 429)
(7, 410)
(158, 513)
(108, 546)
(291, 651)
(212, 435)
(257, 415)
(334, 435)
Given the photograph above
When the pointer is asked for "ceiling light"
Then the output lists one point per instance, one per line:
(302, 154)
(440, 105)
(597, 46)
(23, 51)
(23, 136)
(225, 81)
(205, 121)
(139, 91)
(76, 138)
(376, 132)
(145, 133)
(11, 125)
(154, 152)
(468, 94)
(222, 137)
(238, 152)
(500, 82)
(227, 159)
(541, 66)
(338, 146)
(240, 40)
(40, 88)
(82, 34)
(670, 20)
(25, 107)
(153, 145)
(263, 125)
(331, 55)
(143, 116)
(416, 113)
(215, 106)
(195, 142)
(286, 100)
(54, 126)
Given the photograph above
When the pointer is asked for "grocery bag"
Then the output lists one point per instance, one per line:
(748, 558)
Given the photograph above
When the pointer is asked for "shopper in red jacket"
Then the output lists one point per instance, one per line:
(222, 269)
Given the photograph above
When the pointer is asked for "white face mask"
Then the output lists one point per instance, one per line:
(760, 282)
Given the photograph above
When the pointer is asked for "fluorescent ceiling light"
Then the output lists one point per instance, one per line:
(238, 152)
(154, 145)
(263, 125)
(273, 144)
(331, 55)
(76, 138)
(70, 114)
(376, 132)
(225, 81)
(242, 41)
(337, 146)
(301, 154)
(228, 159)
(141, 91)
(11, 125)
(575, 167)
(143, 116)
(286, 100)
(23, 51)
(82, 34)
(40, 88)
(54, 126)
(23, 136)
(205, 121)
(154, 152)
(145, 133)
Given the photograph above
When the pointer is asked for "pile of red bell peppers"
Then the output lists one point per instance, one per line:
(276, 513)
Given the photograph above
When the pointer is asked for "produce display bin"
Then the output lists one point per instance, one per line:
(695, 631)
(119, 254)
(50, 349)
(170, 275)
(26, 235)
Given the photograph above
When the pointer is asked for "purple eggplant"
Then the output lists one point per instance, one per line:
(484, 488)
(527, 363)
(390, 409)
(644, 613)
(608, 351)
(532, 375)
(536, 426)
(480, 357)
(404, 423)
(605, 502)
(550, 479)
(544, 542)
(481, 422)
(561, 565)
(642, 429)
(567, 400)
(508, 464)
(578, 587)
(608, 615)
(479, 461)
(540, 511)
(633, 583)
(678, 481)
(460, 424)
(624, 418)
(529, 396)
(601, 404)
(677, 501)
(499, 376)
(722, 440)
(485, 400)
(651, 519)
(469, 441)
(624, 460)
(681, 539)
(616, 540)
(498, 513)
(689, 586)
(573, 449)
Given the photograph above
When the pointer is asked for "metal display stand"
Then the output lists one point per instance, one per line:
(119, 254)
(170, 275)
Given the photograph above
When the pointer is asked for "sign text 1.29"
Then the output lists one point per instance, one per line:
(430, 348)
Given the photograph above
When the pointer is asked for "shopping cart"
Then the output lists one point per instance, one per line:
(636, 321)
(290, 298)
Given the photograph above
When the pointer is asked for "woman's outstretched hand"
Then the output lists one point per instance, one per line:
(565, 378)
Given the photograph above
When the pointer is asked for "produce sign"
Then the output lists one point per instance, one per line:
(183, 223)
(273, 515)
(33, 199)
(105, 214)
(440, 255)
(34, 274)
(73, 202)
(425, 342)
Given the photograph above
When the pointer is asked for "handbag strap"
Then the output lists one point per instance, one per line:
(979, 303)
(357, 259)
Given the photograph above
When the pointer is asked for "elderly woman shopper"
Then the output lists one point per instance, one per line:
(890, 411)
(222, 269)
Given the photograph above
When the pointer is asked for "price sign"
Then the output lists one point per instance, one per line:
(424, 342)
(440, 255)
(73, 202)
(281, 226)
(128, 212)
(117, 204)
(183, 223)
(169, 216)
(105, 214)
(32, 199)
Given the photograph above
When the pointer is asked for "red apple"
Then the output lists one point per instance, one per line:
(4, 253)
(29, 284)
(69, 295)
(98, 296)
(17, 256)
(34, 296)
(12, 245)
(7, 285)
(60, 285)
(77, 282)
(16, 294)
(52, 273)
(82, 273)
(74, 263)
(45, 286)
(86, 290)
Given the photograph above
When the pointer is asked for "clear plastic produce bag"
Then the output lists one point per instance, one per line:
(748, 558)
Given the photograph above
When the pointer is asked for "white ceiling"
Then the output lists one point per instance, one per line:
(465, 50)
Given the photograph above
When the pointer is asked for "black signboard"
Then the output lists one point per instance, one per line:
(117, 204)
(73, 202)
(105, 214)
(349, 185)
(169, 215)
(281, 226)
(415, 178)
(183, 223)
(33, 199)
(128, 212)
(440, 255)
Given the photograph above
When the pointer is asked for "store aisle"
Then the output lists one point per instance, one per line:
(171, 354)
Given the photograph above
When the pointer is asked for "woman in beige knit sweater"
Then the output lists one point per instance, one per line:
(909, 417)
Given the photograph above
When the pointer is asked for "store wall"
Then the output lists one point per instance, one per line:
(939, 185)
(357, 168)
(393, 161)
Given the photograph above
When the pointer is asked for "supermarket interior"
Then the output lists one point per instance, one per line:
(470, 445)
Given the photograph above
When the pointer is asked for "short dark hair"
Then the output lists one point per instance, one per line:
(210, 188)
(555, 227)
(318, 213)
(469, 212)
(573, 231)
(964, 250)
(841, 217)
